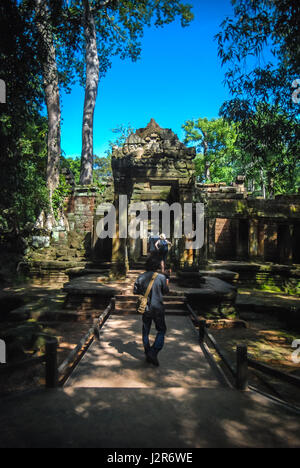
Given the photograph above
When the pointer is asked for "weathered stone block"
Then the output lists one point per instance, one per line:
(40, 242)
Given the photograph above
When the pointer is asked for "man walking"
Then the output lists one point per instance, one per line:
(155, 310)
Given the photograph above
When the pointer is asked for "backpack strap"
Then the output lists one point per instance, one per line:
(155, 275)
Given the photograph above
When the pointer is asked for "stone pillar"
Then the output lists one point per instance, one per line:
(144, 247)
(261, 235)
(271, 243)
(182, 252)
(204, 250)
(240, 184)
(238, 243)
(296, 244)
(189, 252)
(253, 238)
(134, 245)
(242, 232)
(120, 264)
(119, 260)
(84, 207)
(200, 255)
(285, 243)
(212, 238)
(185, 255)
(133, 250)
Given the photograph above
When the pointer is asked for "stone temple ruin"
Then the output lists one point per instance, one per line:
(155, 166)
(247, 240)
(249, 244)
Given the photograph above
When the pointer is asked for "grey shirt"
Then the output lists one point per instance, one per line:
(159, 288)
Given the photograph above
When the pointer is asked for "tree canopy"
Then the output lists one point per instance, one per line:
(217, 152)
(260, 46)
(262, 101)
(22, 129)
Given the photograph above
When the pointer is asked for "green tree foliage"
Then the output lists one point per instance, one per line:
(269, 149)
(102, 169)
(262, 104)
(217, 154)
(102, 165)
(63, 190)
(64, 27)
(22, 129)
(73, 165)
(260, 26)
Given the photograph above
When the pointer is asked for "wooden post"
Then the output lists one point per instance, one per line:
(51, 364)
(202, 327)
(242, 367)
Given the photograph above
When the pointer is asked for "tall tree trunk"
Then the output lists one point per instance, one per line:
(206, 161)
(207, 172)
(91, 90)
(270, 186)
(51, 86)
(263, 185)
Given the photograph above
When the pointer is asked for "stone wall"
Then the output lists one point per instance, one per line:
(81, 208)
(241, 227)
(224, 238)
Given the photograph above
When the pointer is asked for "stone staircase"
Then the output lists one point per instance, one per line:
(174, 305)
(175, 302)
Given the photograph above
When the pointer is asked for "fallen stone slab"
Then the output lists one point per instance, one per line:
(51, 264)
(190, 278)
(214, 289)
(225, 275)
(89, 285)
(82, 271)
(87, 294)
(257, 300)
(225, 323)
(285, 308)
(220, 287)
(215, 301)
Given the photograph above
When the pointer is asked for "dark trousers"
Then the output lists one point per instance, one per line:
(158, 317)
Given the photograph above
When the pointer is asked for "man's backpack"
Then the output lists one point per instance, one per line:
(142, 300)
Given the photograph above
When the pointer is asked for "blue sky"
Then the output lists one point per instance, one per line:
(179, 77)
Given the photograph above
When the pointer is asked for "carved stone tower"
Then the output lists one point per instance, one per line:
(152, 166)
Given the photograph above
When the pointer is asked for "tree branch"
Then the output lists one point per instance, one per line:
(115, 28)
